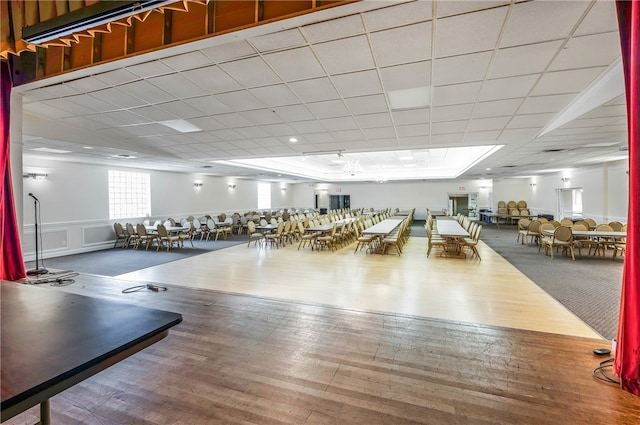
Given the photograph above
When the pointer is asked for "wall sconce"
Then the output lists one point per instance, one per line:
(532, 184)
(565, 179)
(197, 185)
(35, 176)
(232, 186)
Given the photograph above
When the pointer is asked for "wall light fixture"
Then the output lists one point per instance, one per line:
(35, 176)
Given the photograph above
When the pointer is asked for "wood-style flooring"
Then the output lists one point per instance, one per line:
(281, 336)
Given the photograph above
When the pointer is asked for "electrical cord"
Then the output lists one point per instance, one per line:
(600, 372)
(149, 286)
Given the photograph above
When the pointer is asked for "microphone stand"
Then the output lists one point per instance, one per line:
(37, 271)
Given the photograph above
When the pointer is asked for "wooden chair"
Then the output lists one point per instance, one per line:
(254, 236)
(276, 237)
(533, 232)
(121, 234)
(473, 240)
(164, 236)
(144, 237)
(433, 240)
(327, 241)
(523, 226)
(562, 238)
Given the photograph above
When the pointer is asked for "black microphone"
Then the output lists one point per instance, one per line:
(31, 194)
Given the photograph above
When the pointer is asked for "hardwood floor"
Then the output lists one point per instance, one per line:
(490, 291)
(242, 359)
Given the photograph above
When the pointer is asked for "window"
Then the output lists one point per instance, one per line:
(129, 194)
(264, 196)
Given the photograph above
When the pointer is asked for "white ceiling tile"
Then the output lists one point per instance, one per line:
(64, 89)
(518, 134)
(485, 124)
(253, 132)
(181, 109)
(116, 118)
(117, 77)
(278, 40)
(279, 129)
(278, 95)
(482, 136)
(240, 100)
(268, 141)
(233, 120)
(150, 69)
(307, 127)
(367, 104)
(409, 76)
(212, 79)
(383, 143)
(455, 94)
(398, 15)
(444, 140)
(333, 29)
(373, 120)
(411, 116)
(460, 69)
(451, 113)
(328, 109)
(379, 133)
(147, 92)
(348, 135)
(83, 85)
(322, 137)
(345, 55)
(44, 93)
(607, 111)
(400, 45)
(454, 7)
(229, 51)
(521, 60)
(534, 22)
(354, 145)
(506, 88)
(587, 51)
(601, 18)
(448, 127)
(530, 120)
(572, 81)
(541, 104)
(88, 104)
(293, 113)
(187, 61)
(227, 134)
(251, 72)
(118, 97)
(357, 83)
(295, 64)
(261, 116)
(177, 85)
(496, 108)
(337, 124)
(314, 90)
(245, 144)
(413, 130)
(469, 33)
(154, 114)
(208, 105)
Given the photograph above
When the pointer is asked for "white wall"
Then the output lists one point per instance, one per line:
(605, 191)
(403, 195)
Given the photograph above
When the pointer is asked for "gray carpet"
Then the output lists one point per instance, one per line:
(117, 261)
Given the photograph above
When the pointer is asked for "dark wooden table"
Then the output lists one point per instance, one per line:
(52, 340)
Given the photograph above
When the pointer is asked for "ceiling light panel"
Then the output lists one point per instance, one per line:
(410, 43)
(417, 97)
(531, 22)
(459, 34)
(345, 55)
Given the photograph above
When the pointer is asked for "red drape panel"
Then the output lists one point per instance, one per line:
(11, 264)
(627, 357)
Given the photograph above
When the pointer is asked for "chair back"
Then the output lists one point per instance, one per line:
(162, 231)
(523, 223)
(604, 228)
(117, 227)
(566, 222)
(547, 226)
(580, 227)
(616, 226)
(534, 227)
(130, 229)
(251, 227)
(142, 231)
(563, 234)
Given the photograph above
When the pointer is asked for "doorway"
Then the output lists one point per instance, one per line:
(569, 204)
(337, 202)
(463, 203)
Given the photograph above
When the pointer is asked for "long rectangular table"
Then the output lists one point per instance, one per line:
(52, 340)
(452, 231)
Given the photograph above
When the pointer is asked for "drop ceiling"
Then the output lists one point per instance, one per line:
(538, 82)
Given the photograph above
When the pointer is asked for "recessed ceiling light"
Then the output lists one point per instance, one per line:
(417, 97)
(50, 150)
(180, 125)
(87, 147)
(488, 168)
(293, 139)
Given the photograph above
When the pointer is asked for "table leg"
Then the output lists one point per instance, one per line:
(45, 413)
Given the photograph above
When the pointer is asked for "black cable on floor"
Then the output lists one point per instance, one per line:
(149, 286)
(600, 372)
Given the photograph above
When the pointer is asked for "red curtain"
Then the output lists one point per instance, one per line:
(627, 358)
(11, 264)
